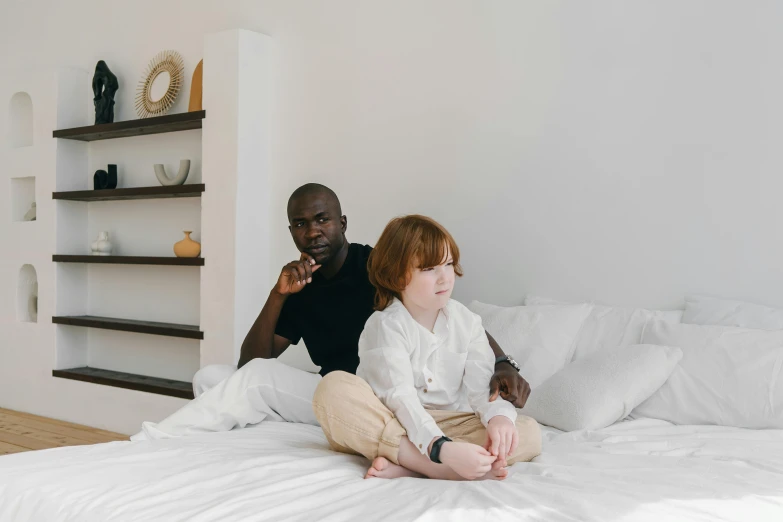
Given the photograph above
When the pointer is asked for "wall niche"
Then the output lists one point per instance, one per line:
(23, 206)
(27, 295)
(20, 128)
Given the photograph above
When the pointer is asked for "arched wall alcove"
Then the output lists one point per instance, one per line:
(20, 125)
(27, 295)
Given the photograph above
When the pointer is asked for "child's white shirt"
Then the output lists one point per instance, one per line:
(411, 369)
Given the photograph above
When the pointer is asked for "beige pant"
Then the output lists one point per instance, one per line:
(355, 421)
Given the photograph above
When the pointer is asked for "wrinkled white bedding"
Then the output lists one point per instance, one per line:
(641, 470)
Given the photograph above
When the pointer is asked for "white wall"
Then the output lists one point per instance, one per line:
(620, 151)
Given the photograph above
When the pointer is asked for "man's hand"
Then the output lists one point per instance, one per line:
(507, 383)
(295, 275)
(469, 461)
(502, 438)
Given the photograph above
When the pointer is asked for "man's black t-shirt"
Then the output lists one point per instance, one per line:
(329, 314)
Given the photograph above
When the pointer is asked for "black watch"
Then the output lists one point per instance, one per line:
(510, 360)
(435, 451)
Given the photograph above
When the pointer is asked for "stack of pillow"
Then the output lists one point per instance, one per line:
(717, 362)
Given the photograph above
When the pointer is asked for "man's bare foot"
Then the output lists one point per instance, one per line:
(495, 474)
(382, 468)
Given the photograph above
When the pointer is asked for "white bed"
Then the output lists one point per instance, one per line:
(636, 470)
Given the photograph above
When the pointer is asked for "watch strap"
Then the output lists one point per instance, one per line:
(435, 451)
(507, 359)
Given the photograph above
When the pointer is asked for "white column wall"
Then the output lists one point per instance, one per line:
(235, 207)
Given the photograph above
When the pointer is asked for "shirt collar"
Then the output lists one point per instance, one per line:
(441, 328)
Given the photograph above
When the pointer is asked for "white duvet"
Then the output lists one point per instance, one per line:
(641, 470)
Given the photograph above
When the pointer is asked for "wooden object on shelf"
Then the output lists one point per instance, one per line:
(176, 191)
(185, 331)
(143, 127)
(129, 381)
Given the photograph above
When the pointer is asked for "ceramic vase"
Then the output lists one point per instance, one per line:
(30, 215)
(196, 88)
(103, 180)
(179, 179)
(187, 247)
(102, 246)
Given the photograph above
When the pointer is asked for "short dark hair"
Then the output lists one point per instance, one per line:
(310, 189)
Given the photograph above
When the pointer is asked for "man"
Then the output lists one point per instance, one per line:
(325, 298)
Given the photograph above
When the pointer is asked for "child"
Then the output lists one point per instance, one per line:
(419, 404)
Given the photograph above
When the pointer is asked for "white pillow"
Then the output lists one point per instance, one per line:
(603, 388)
(608, 328)
(539, 338)
(701, 309)
(727, 376)
(537, 300)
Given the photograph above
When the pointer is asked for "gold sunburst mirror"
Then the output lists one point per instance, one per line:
(160, 85)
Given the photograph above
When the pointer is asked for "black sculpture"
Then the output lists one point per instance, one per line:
(104, 86)
(103, 180)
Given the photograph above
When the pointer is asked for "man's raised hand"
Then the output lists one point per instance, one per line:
(295, 275)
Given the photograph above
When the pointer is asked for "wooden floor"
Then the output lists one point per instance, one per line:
(25, 432)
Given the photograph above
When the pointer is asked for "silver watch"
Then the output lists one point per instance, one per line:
(510, 360)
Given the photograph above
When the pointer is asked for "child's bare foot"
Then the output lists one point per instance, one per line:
(495, 474)
(382, 468)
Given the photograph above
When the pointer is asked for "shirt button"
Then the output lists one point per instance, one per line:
(419, 446)
(429, 380)
(425, 390)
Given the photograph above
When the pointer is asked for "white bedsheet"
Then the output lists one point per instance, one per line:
(641, 470)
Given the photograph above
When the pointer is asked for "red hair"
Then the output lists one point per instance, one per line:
(406, 243)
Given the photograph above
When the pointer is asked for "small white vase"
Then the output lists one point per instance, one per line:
(30, 215)
(102, 246)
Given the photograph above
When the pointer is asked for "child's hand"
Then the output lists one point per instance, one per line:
(470, 461)
(502, 438)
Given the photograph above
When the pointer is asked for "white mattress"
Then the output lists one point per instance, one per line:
(637, 470)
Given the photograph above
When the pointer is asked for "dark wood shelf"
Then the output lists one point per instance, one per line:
(177, 191)
(130, 260)
(129, 381)
(129, 128)
(184, 331)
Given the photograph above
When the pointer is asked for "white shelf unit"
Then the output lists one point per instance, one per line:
(139, 227)
(223, 297)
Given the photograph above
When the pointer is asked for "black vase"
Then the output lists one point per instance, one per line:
(112, 181)
(103, 180)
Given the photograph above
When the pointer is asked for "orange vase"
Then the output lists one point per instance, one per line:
(196, 88)
(187, 247)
